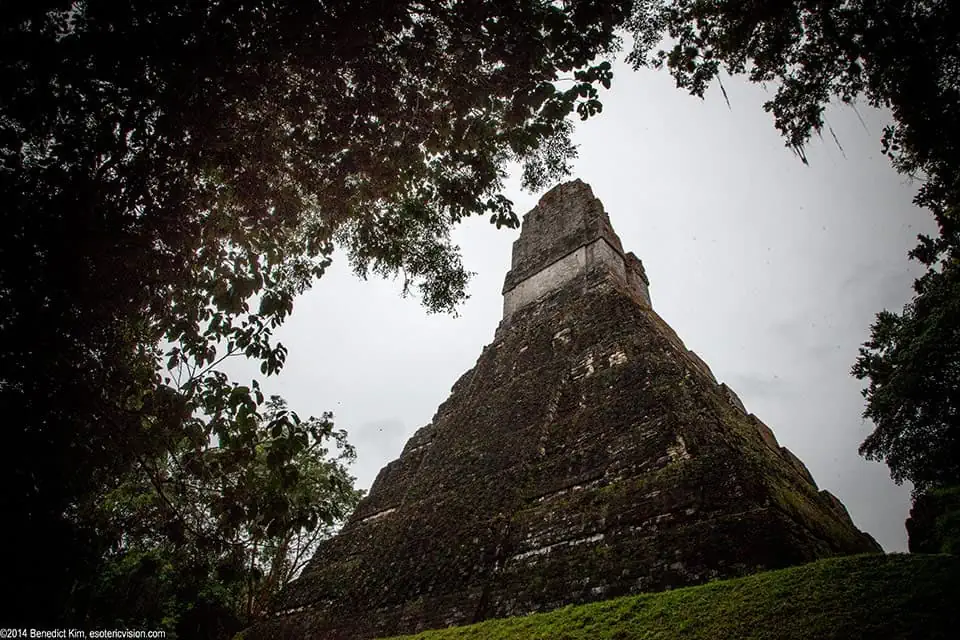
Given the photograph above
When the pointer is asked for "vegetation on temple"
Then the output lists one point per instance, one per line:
(870, 596)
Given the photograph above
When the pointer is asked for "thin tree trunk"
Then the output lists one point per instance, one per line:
(253, 557)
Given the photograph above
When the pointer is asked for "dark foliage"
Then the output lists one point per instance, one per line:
(204, 536)
(912, 362)
(934, 522)
(173, 174)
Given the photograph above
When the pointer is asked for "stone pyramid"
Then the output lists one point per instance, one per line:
(588, 454)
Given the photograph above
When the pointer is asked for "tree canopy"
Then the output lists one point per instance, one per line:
(204, 536)
(174, 174)
(912, 362)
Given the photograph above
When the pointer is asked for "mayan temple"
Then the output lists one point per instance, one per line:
(588, 454)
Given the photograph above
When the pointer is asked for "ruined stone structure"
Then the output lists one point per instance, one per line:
(588, 454)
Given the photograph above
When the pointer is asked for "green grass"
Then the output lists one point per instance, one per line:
(868, 596)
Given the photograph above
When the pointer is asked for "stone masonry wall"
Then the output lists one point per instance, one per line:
(565, 236)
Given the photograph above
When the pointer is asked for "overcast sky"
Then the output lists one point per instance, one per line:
(770, 270)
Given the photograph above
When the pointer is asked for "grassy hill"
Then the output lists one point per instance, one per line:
(867, 596)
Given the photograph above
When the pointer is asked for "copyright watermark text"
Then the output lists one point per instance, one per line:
(79, 633)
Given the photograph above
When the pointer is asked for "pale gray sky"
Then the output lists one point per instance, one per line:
(770, 270)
